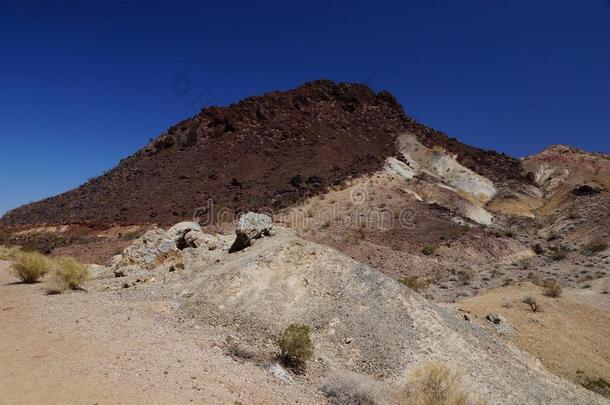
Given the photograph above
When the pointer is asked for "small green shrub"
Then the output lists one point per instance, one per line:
(296, 346)
(428, 250)
(509, 233)
(30, 267)
(71, 274)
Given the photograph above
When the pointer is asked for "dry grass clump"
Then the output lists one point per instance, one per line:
(296, 346)
(70, 274)
(236, 349)
(531, 302)
(435, 384)
(9, 252)
(347, 388)
(552, 288)
(30, 267)
(415, 283)
(533, 278)
(465, 276)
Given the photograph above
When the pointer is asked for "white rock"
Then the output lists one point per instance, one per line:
(279, 372)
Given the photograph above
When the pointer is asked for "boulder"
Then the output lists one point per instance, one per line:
(497, 319)
(251, 226)
(200, 240)
(176, 234)
(280, 372)
(145, 250)
(155, 246)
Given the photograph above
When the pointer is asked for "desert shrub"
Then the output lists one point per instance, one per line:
(552, 288)
(531, 302)
(465, 276)
(30, 267)
(428, 250)
(296, 346)
(9, 252)
(353, 389)
(435, 384)
(509, 233)
(538, 249)
(594, 247)
(558, 253)
(414, 282)
(237, 350)
(70, 274)
(533, 278)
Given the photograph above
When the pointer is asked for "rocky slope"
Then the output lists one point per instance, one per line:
(363, 323)
(266, 151)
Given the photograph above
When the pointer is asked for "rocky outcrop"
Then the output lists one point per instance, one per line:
(251, 226)
(182, 242)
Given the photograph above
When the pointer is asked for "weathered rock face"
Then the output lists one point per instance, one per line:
(251, 226)
(182, 242)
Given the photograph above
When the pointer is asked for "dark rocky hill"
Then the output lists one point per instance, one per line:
(265, 151)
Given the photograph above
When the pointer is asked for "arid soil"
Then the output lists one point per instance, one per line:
(95, 348)
(569, 334)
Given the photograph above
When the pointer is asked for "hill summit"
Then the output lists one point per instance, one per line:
(265, 151)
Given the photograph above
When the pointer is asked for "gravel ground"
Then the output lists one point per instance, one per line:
(99, 348)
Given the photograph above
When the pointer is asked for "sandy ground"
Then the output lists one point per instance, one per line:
(92, 348)
(570, 334)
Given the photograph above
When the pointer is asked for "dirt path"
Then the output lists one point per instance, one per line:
(93, 348)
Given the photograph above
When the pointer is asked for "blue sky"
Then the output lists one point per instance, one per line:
(83, 85)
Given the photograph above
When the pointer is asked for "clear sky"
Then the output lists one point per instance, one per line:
(83, 84)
